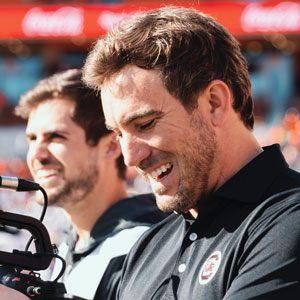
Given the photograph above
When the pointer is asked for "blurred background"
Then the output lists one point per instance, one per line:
(39, 38)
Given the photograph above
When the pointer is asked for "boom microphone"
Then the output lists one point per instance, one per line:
(18, 184)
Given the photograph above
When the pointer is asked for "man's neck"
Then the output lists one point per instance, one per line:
(225, 168)
(84, 215)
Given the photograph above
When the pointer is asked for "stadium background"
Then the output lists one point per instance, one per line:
(39, 38)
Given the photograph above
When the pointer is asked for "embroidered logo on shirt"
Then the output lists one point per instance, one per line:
(210, 268)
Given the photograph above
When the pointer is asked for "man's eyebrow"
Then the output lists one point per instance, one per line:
(49, 132)
(135, 116)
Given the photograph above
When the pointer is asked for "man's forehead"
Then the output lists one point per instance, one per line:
(50, 115)
(130, 80)
(53, 106)
(128, 95)
(37, 127)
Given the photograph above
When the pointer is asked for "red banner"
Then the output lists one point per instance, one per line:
(91, 21)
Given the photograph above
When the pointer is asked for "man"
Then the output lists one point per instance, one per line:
(176, 90)
(79, 163)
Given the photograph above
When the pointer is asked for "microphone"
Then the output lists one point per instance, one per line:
(18, 184)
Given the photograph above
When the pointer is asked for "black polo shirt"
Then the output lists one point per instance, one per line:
(245, 243)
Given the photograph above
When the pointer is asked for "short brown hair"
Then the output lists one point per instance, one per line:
(190, 49)
(88, 112)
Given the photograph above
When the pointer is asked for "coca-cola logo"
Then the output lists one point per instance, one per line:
(284, 16)
(108, 19)
(65, 21)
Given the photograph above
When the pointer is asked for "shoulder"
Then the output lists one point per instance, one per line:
(266, 260)
(279, 205)
(286, 180)
(277, 219)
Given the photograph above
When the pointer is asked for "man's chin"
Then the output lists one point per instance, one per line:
(53, 200)
(165, 203)
(173, 203)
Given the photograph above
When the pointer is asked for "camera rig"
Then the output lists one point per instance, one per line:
(18, 269)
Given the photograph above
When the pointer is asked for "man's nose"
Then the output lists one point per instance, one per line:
(38, 150)
(134, 150)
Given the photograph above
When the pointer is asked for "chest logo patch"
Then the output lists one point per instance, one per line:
(210, 268)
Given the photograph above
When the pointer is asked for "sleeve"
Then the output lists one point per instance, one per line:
(269, 268)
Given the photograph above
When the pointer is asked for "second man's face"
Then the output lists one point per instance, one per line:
(173, 149)
(58, 157)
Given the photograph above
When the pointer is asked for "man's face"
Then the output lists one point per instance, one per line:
(172, 148)
(58, 157)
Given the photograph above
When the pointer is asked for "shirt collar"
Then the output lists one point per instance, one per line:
(252, 181)
(126, 213)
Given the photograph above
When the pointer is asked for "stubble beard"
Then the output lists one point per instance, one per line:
(73, 191)
(195, 167)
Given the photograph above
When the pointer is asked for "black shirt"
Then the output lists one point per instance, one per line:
(244, 244)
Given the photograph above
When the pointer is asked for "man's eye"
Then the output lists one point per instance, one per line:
(31, 138)
(147, 125)
(55, 136)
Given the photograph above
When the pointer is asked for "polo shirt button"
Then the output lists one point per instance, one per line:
(181, 268)
(193, 236)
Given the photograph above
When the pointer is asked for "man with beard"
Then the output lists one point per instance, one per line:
(79, 164)
(175, 89)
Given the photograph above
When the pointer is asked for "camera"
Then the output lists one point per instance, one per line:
(19, 268)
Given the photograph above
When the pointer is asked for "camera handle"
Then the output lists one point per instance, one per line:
(25, 259)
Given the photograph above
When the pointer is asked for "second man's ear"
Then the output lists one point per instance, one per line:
(111, 146)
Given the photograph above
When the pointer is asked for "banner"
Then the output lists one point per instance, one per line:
(92, 21)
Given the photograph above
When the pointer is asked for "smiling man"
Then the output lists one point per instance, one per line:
(176, 90)
(178, 174)
(79, 164)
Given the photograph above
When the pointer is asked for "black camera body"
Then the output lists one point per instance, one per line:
(18, 268)
(32, 286)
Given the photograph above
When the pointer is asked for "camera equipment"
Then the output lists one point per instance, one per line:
(18, 268)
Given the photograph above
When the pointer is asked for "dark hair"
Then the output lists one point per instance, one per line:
(88, 112)
(190, 49)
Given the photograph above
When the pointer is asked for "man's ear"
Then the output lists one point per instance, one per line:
(110, 147)
(219, 101)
